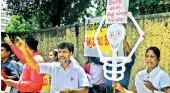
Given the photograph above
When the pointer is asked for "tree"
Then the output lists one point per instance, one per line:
(18, 24)
(145, 7)
(50, 12)
(99, 6)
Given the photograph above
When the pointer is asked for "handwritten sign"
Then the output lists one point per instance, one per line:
(117, 11)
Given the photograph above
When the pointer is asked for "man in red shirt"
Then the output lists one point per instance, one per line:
(30, 80)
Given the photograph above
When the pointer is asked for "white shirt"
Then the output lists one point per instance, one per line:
(72, 77)
(157, 77)
(74, 60)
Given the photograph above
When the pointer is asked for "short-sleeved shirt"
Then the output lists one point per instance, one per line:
(72, 77)
(157, 77)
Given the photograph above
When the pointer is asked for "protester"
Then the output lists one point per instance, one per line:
(9, 67)
(96, 72)
(66, 77)
(153, 78)
(31, 80)
(53, 56)
(125, 81)
(86, 68)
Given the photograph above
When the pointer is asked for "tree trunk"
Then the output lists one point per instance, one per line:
(56, 18)
(41, 24)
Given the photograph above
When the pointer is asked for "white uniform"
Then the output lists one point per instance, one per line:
(157, 77)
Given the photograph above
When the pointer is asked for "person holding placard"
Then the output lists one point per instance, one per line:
(125, 81)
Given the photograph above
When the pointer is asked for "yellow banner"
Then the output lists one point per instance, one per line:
(90, 48)
(46, 83)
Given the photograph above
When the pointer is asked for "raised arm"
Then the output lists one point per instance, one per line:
(25, 50)
(16, 51)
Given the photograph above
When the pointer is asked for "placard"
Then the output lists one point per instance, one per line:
(117, 11)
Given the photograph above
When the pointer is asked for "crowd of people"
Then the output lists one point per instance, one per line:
(24, 69)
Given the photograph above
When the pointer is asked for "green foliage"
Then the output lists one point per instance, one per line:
(18, 24)
(100, 8)
(50, 12)
(145, 7)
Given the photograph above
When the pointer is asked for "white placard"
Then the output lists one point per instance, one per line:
(117, 11)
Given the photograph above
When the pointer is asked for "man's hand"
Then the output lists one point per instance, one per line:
(65, 91)
(149, 85)
(168, 91)
(117, 86)
(8, 40)
(21, 44)
(20, 40)
(9, 82)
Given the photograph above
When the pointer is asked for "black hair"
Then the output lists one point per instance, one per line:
(155, 50)
(67, 45)
(31, 42)
(95, 60)
(7, 47)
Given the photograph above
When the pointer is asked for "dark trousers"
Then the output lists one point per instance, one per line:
(90, 90)
(109, 89)
(98, 89)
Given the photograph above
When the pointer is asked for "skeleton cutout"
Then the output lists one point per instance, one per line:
(115, 34)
